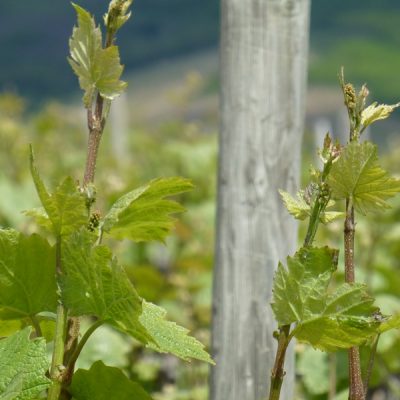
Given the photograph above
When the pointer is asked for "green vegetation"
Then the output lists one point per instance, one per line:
(65, 272)
(306, 304)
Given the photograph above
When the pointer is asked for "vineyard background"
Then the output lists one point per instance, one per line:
(167, 125)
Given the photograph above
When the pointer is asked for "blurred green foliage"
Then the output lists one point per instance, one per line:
(179, 276)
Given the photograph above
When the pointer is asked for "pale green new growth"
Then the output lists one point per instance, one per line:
(301, 210)
(117, 14)
(94, 284)
(376, 112)
(27, 276)
(65, 208)
(23, 365)
(296, 206)
(170, 337)
(144, 213)
(391, 323)
(357, 175)
(326, 321)
(101, 382)
(98, 69)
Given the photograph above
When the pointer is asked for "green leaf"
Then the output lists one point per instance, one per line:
(23, 365)
(376, 112)
(65, 208)
(97, 68)
(94, 284)
(296, 206)
(105, 383)
(342, 319)
(170, 337)
(27, 275)
(393, 322)
(144, 214)
(10, 326)
(313, 367)
(357, 175)
(300, 209)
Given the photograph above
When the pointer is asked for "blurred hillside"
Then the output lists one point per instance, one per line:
(363, 35)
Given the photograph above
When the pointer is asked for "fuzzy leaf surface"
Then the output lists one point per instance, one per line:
(65, 207)
(144, 213)
(27, 275)
(327, 321)
(101, 382)
(23, 365)
(94, 284)
(358, 175)
(97, 68)
(170, 337)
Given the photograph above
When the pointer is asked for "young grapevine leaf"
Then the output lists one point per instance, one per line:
(101, 382)
(144, 213)
(297, 290)
(117, 14)
(65, 208)
(23, 366)
(300, 209)
(376, 112)
(97, 68)
(296, 206)
(170, 337)
(358, 175)
(326, 321)
(27, 276)
(94, 284)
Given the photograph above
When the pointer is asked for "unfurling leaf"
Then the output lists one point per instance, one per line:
(23, 366)
(94, 284)
(358, 175)
(65, 207)
(117, 14)
(101, 382)
(296, 206)
(342, 319)
(144, 214)
(170, 337)
(375, 112)
(27, 276)
(98, 69)
(300, 209)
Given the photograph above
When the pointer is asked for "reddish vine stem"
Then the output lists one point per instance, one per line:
(278, 371)
(96, 123)
(356, 389)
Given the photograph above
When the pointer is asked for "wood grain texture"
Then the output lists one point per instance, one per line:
(264, 50)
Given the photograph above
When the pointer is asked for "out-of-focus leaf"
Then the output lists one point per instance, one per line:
(23, 366)
(313, 366)
(101, 382)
